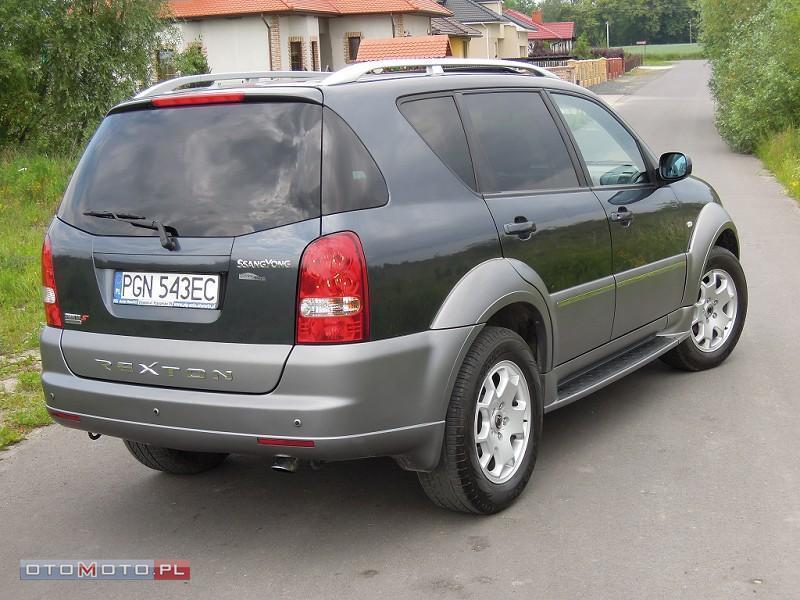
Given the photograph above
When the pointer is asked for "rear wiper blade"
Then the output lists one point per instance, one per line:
(165, 232)
(104, 214)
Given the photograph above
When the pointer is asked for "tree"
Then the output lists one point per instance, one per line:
(193, 60)
(658, 21)
(524, 6)
(63, 64)
(582, 49)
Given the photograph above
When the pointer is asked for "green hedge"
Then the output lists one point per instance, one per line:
(756, 67)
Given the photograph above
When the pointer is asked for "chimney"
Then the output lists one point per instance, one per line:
(536, 16)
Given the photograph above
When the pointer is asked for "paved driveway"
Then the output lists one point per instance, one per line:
(664, 485)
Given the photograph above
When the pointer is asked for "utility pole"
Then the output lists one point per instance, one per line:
(690, 31)
(608, 36)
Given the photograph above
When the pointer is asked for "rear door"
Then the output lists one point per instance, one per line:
(648, 229)
(237, 188)
(545, 215)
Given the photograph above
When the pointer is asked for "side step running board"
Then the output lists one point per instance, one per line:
(612, 370)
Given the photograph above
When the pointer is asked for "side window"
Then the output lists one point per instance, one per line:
(350, 178)
(610, 152)
(437, 122)
(519, 146)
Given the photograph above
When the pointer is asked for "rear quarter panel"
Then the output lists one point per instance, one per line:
(433, 230)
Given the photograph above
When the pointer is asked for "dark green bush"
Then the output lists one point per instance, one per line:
(193, 60)
(756, 68)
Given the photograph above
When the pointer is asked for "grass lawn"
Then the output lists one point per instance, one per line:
(658, 54)
(30, 189)
(781, 155)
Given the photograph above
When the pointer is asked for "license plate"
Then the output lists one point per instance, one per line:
(179, 290)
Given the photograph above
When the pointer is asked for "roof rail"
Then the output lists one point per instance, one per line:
(433, 66)
(178, 82)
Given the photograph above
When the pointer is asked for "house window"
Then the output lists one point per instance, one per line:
(296, 56)
(353, 42)
(165, 64)
(465, 48)
(314, 56)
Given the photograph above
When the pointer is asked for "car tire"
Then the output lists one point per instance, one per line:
(177, 462)
(692, 355)
(482, 406)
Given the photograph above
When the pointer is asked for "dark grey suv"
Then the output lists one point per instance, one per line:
(414, 259)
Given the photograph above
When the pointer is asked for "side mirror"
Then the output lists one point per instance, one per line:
(674, 166)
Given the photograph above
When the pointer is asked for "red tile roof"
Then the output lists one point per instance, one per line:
(554, 30)
(187, 9)
(428, 46)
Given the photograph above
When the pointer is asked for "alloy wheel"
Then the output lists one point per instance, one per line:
(715, 311)
(502, 421)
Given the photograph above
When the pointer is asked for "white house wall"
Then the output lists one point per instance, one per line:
(416, 25)
(369, 26)
(298, 26)
(236, 44)
(242, 44)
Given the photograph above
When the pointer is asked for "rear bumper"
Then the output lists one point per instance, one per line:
(384, 398)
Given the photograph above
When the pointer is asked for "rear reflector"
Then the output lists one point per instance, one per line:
(52, 311)
(198, 99)
(62, 415)
(281, 442)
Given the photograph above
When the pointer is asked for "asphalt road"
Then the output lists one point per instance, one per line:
(664, 485)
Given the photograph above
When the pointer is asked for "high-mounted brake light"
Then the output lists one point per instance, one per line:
(198, 99)
(332, 295)
(52, 310)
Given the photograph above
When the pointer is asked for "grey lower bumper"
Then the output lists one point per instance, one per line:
(384, 398)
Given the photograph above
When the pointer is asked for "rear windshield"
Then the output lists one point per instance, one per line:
(206, 171)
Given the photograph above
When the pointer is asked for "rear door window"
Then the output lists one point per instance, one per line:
(438, 123)
(205, 171)
(519, 147)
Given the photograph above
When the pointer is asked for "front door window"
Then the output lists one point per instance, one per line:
(610, 152)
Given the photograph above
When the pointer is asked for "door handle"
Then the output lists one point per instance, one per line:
(520, 227)
(623, 216)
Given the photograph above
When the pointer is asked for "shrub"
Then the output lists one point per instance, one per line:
(608, 52)
(581, 49)
(756, 73)
(632, 61)
(193, 60)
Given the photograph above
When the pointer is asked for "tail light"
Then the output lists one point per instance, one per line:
(52, 310)
(332, 296)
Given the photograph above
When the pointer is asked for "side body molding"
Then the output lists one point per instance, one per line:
(487, 288)
(711, 222)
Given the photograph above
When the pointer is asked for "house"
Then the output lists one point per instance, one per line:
(428, 46)
(500, 36)
(259, 35)
(459, 34)
(553, 37)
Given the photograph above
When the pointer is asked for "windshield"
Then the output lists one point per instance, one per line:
(206, 171)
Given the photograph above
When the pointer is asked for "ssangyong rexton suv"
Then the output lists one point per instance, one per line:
(414, 259)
